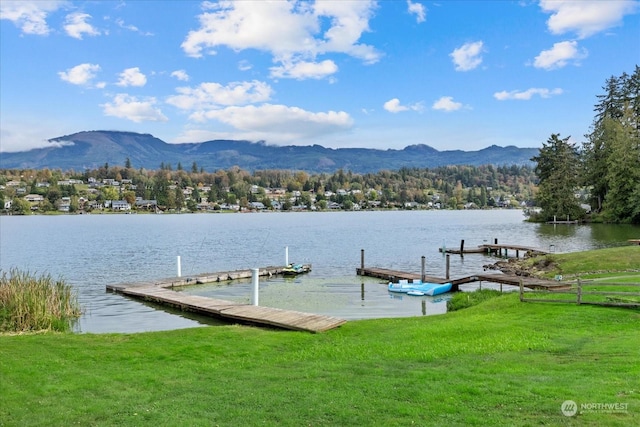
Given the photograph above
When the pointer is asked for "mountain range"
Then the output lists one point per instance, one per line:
(93, 149)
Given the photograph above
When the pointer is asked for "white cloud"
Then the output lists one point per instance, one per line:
(446, 103)
(291, 31)
(278, 123)
(559, 55)
(76, 25)
(132, 77)
(586, 18)
(129, 107)
(527, 94)
(213, 95)
(29, 16)
(394, 106)
(81, 75)
(468, 56)
(418, 9)
(244, 65)
(120, 22)
(180, 75)
(304, 70)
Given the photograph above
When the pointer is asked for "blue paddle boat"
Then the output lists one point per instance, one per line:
(418, 288)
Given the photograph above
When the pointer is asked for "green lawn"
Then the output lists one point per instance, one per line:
(501, 362)
(624, 258)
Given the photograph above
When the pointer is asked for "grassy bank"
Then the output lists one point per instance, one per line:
(585, 264)
(501, 362)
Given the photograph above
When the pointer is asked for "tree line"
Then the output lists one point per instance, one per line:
(451, 187)
(605, 170)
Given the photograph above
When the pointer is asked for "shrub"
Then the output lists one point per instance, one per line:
(468, 299)
(30, 303)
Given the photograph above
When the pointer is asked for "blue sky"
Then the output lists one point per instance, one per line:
(375, 74)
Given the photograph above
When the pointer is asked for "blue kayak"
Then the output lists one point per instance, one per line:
(419, 288)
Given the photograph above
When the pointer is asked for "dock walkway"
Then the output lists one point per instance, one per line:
(161, 292)
(506, 279)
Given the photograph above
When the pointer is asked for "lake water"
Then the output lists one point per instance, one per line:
(91, 251)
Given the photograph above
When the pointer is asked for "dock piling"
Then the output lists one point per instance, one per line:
(362, 261)
(462, 247)
(179, 267)
(422, 271)
(255, 282)
(448, 265)
(286, 255)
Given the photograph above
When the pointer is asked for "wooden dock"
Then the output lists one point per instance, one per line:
(395, 275)
(495, 248)
(506, 279)
(161, 292)
(478, 250)
(498, 248)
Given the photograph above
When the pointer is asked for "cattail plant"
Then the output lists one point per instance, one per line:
(35, 303)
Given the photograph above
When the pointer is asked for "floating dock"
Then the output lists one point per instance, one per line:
(162, 292)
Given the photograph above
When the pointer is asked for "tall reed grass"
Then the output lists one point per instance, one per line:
(35, 303)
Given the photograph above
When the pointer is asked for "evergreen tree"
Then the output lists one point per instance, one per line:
(623, 168)
(621, 102)
(557, 167)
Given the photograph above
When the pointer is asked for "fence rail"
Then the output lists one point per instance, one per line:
(581, 289)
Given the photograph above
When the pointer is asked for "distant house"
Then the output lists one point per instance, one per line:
(7, 204)
(257, 205)
(120, 205)
(276, 205)
(146, 204)
(34, 198)
(64, 207)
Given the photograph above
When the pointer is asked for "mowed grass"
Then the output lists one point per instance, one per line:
(619, 259)
(501, 362)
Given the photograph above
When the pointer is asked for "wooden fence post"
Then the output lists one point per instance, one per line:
(579, 295)
(521, 291)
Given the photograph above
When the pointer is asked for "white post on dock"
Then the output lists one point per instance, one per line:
(286, 255)
(179, 266)
(255, 273)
